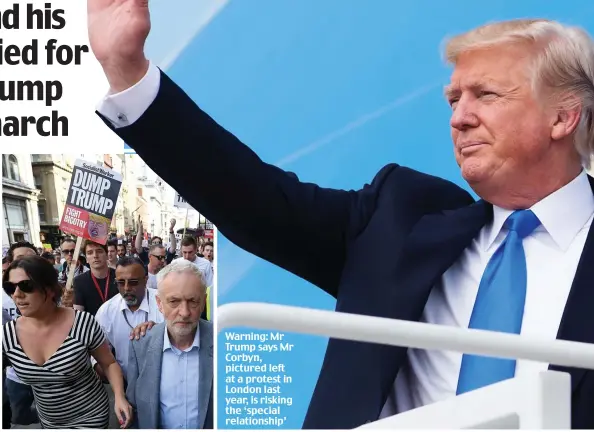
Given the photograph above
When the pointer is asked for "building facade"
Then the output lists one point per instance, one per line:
(52, 174)
(19, 201)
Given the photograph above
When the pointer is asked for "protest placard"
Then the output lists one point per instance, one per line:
(91, 201)
(180, 202)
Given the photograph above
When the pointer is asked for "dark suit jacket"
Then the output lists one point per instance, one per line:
(395, 236)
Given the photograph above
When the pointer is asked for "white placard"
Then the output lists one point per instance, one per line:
(180, 202)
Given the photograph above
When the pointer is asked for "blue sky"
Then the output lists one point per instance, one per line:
(332, 90)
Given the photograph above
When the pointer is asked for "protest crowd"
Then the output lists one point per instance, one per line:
(81, 321)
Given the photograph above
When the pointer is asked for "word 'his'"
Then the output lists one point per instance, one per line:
(40, 19)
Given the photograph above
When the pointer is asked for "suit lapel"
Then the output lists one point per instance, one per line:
(206, 371)
(437, 241)
(577, 323)
(154, 359)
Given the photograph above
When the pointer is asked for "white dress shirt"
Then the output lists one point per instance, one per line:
(179, 386)
(552, 254)
(152, 281)
(117, 321)
(205, 268)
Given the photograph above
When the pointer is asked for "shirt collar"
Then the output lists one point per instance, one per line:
(167, 344)
(562, 214)
(144, 305)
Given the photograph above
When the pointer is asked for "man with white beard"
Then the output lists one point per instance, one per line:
(175, 358)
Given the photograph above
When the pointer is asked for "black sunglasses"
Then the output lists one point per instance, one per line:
(26, 286)
(68, 251)
(159, 257)
(131, 282)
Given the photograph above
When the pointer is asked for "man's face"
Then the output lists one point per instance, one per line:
(96, 257)
(498, 127)
(68, 250)
(22, 252)
(189, 252)
(121, 251)
(156, 241)
(157, 258)
(181, 300)
(112, 254)
(208, 252)
(131, 282)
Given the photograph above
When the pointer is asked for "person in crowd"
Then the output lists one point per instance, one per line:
(5, 263)
(20, 394)
(189, 248)
(20, 249)
(93, 288)
(112, 253)
(199, 247)
(122, 249)
(175, 359)
(157, 259)
(68, 392)
(57, 261)
(134, 305)
(143, 253)
(49, 257)
(208, 251)
(522, 125)
(67, 247)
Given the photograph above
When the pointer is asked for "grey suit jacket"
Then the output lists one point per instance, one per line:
(144, 377)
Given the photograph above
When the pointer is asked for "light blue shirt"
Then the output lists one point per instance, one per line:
(179, 385)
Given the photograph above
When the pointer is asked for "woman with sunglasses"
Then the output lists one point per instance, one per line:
(49, 347)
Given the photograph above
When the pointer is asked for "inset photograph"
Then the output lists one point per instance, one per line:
(108, 287)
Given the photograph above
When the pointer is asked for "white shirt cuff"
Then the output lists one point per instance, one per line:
(125, 108)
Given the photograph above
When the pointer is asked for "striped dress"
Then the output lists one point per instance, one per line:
(68, 393)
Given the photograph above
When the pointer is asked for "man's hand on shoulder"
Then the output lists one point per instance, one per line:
(141, 329)
(117, 31)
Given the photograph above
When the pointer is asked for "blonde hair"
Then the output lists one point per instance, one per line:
(563, 64)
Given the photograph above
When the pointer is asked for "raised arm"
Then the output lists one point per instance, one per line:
(236, 190)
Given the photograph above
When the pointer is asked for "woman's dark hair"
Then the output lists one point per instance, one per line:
(40, 271)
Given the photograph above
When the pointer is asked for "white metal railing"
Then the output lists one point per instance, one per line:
(540, 401)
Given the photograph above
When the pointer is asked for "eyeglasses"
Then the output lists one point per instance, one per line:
(159, 257)
(68, 251)
(131, 282)
(26, 286)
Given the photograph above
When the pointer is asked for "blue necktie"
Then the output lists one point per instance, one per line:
(499, 304)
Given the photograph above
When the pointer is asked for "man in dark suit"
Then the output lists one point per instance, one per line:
(519, 260)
